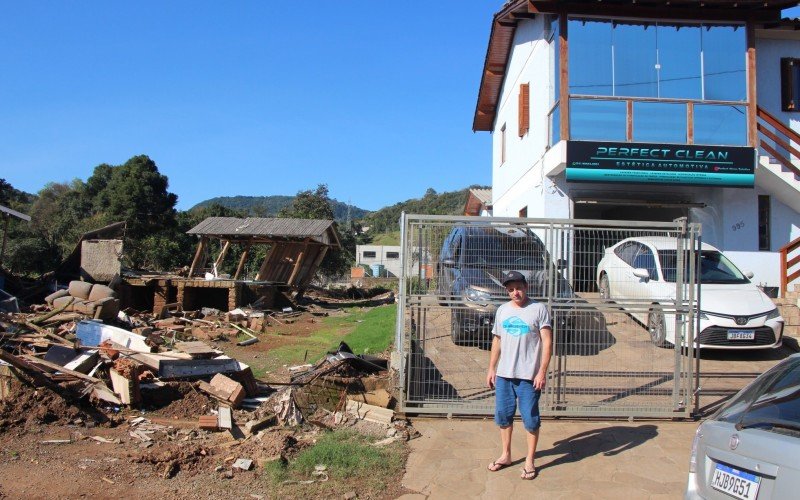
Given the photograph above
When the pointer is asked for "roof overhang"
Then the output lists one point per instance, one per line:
(504, 25)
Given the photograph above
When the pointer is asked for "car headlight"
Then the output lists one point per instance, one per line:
(773, 314)
(693, 458)
(476, 295)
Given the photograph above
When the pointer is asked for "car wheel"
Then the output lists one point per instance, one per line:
(456, 328)
(605, 291)
(657, 327)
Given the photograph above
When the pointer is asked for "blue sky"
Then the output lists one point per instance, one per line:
(375, 99)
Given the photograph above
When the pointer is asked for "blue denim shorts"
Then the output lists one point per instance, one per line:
(510, 390)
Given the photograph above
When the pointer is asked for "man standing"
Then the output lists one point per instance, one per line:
(522, 343)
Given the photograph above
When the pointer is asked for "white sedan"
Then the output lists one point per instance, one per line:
(639, 274)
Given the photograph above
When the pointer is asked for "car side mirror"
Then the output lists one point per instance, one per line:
(642, 273)
(448, 263)
(749, 274)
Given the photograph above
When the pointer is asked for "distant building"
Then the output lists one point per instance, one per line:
(479, 202)
(387, 256)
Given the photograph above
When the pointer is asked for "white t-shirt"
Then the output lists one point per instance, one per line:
(520, 340)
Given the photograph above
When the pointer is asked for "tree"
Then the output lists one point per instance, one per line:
(310, 205)
(136, 192)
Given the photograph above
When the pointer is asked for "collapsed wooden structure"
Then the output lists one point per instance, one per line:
(296, 246)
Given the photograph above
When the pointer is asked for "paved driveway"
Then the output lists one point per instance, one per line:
(576, 460)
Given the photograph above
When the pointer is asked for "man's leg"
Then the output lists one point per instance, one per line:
(505, 407)
(529, 409)
(533, 438)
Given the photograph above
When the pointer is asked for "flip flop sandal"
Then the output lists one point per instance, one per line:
(497, 466)
(528, 475)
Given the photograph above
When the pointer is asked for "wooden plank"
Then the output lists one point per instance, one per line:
(222, 254)
(197, 348)
(198, 255)
(563, 76)
(629, 120)
(752, 100)
(56, 367)
(242, 260)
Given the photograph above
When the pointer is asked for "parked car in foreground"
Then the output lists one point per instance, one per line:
(751, 447)
(734, 313)
(472, 263)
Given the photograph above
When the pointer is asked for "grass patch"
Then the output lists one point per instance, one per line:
(391, 238)
(376, 331)
(364, 330)
(347, 455)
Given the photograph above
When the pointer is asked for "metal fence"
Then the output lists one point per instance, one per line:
(620, 294)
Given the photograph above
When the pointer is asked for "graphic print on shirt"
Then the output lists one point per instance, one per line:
(516, 327)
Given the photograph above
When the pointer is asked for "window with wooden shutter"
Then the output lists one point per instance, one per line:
(524, 109)
(790, 84)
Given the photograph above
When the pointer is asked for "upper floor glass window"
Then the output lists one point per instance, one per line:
(657, 60)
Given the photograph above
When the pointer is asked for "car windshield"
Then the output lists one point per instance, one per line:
(505, 252)
(714, 267)
(771, 402)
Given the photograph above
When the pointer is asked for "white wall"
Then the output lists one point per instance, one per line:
(392, 266)
(516, 182)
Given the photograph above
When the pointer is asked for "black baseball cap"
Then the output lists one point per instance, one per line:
(514, 276)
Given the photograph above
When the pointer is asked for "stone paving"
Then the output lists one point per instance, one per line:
(576, 460)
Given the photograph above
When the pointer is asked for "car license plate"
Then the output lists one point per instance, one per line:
(741, 334)
(734, 482)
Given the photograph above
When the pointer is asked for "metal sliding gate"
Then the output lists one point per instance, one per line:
(614, 351)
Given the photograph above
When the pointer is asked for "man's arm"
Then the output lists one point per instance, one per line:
(494, 357)
(547, 351)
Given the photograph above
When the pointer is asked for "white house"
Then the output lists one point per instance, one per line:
(650, 110)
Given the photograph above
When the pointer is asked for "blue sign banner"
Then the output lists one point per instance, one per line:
(679, 164)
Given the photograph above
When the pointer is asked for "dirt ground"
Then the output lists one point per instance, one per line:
(51, 449)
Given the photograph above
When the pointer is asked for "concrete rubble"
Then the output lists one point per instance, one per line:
(110, 369)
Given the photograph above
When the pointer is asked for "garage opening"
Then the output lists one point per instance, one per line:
(590, 245)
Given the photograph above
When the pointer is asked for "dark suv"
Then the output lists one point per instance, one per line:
(472, 263)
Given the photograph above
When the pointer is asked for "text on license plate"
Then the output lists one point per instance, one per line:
(741, 334)
(735, 482)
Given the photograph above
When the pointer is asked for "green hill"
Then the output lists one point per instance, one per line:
(386, 220)
(269, 206)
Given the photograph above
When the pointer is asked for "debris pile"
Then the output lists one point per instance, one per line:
(181, 399)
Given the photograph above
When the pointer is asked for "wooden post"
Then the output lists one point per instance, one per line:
(263, 269)
(752, 104)
(5, 233)
(563, 76)
(690, 122)
(299, 263)
(321, 255)
(222, 255)
(198, 255)
(242, 261)
(629, 121)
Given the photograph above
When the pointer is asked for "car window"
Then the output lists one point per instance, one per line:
(772, 400)
(456, 247)
(627, 252)
(646, 260)
(492, 248)
(714, 267)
